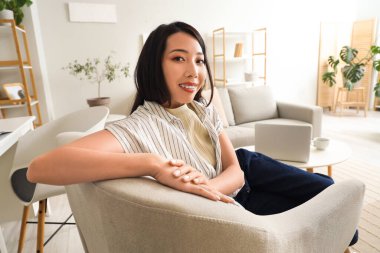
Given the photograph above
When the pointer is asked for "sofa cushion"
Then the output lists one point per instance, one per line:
(225, 98)
(217, 103)
(252, 103)
(240, 136)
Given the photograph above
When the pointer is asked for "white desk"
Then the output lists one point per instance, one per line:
(10, 206)
(18, 127)
(335, 153)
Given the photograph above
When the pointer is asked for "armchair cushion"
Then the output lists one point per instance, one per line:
(252, 104)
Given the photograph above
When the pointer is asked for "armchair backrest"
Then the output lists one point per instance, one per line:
(42, 140)
(141, 215)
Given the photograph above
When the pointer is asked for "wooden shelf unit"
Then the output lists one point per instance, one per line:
(220, 56)
(258, 53)
(23, 66)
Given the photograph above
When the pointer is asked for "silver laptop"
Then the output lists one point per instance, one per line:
(282, 141)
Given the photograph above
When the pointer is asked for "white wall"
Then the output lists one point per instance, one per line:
(293, 40)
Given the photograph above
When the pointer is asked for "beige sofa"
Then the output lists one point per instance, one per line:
(240, 108)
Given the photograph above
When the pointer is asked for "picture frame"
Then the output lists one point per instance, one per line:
(14, 91)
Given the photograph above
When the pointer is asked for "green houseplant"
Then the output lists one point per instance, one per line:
(353, 69)
(15, 6)
(97, 71)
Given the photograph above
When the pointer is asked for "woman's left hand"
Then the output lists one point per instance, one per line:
(189, 174)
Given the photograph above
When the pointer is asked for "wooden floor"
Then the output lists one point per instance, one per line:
(363, 136)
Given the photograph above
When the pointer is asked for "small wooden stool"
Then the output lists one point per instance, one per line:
(342, 99)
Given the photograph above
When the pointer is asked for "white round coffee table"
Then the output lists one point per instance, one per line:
(335, 153)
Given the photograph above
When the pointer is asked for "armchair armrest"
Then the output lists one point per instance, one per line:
(307, 113)
(67, 137)
(141, 215)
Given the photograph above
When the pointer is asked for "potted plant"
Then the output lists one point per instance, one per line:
(97, 71)
(354, 68)
(11, 9)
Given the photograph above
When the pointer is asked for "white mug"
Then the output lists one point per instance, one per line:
(321, 143)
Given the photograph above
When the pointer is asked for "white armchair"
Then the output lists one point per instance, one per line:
(141, 215)
(38, 142)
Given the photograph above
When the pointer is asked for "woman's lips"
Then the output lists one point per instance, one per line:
(189, 87)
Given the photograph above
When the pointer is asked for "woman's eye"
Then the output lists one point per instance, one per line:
(178, 58)
(201, 61)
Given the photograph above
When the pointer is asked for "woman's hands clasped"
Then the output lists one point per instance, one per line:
(180, 176)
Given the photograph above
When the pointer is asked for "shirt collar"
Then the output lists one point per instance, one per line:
(157, 109)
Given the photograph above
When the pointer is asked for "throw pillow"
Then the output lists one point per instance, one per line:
(252, 103)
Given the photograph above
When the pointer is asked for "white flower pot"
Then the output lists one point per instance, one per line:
(6, 14)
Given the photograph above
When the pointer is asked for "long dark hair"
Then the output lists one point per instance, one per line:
(149, 78)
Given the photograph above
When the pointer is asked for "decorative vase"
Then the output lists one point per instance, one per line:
(100, 101)
(238, 50)
(6, 14)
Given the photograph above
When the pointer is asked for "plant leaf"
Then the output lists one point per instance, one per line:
(347, 54)
(332, 62)
(376, 65)
(353, 73)
(377, 89)
(375, 49)
(329, 78)
(349, 85)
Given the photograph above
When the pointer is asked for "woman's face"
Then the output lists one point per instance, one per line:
(183, 67)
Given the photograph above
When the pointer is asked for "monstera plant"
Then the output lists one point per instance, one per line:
(353, 69)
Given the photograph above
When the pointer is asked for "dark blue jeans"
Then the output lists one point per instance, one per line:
(273, 187)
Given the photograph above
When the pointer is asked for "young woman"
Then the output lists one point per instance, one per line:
(175, 136)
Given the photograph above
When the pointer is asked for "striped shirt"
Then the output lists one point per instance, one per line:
(151, 129)
(197, 133)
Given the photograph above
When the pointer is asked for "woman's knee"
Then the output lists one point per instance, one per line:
(326, 179)
(244, 153)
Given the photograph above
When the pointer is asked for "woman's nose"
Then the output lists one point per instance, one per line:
(191, 70)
